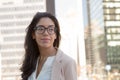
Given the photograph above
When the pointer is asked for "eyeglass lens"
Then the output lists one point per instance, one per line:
(41, 29)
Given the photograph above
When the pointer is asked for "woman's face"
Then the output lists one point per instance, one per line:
(45, 33)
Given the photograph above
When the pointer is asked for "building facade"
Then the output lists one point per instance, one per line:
(103, 18)
(15, 16)
(112, 30)
(94, 33)
(95, 40)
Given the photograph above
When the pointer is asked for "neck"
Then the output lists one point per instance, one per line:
(46, 52)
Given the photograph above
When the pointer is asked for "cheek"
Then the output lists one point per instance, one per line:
(54, 37)
(37, 38)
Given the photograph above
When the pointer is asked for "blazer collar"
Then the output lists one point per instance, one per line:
(58, 55)
(57, 66)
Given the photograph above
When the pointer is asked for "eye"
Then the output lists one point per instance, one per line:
(51, 29)
(40, 28)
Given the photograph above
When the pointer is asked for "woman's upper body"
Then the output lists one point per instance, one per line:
(62, 68)
(45, 73)
(41, 42)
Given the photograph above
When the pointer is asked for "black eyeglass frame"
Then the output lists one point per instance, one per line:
(44, 29)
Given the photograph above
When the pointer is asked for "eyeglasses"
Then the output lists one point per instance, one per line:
(41, 29)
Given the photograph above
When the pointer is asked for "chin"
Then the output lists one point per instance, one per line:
(45, 46)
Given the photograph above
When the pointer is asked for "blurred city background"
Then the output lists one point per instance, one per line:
(90, 35)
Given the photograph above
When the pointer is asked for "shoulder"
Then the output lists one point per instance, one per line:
(64, 58)
(68, 65)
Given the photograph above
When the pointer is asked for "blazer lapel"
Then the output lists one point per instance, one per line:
(57, 67)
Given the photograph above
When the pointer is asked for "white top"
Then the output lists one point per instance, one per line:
(46, 70)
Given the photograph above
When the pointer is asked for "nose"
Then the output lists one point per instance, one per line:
(45, 32)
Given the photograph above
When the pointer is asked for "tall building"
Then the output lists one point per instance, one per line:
(15, 16)
(94, 33)
(112, 30)
(95, 39)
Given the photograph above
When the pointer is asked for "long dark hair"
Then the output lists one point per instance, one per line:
(30, 45)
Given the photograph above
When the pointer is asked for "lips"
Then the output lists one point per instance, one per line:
(45, 40)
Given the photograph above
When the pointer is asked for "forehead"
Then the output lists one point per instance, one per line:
(45, 21)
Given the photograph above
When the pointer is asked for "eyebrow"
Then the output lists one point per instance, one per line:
(47, 26)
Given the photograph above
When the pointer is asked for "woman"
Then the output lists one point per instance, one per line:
(43, 60)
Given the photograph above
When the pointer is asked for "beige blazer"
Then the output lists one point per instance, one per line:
(64, 67)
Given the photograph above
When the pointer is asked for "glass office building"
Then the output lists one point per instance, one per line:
(94, 33)
(112, 30)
